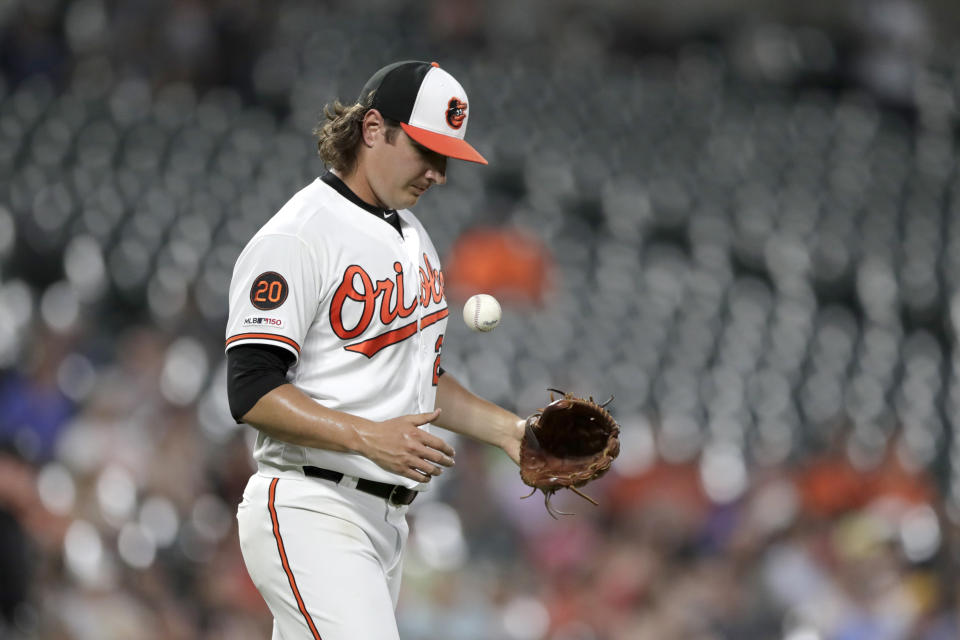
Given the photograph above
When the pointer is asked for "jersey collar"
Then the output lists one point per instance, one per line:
(387, 215)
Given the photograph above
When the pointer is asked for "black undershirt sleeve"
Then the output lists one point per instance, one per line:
(254, 370)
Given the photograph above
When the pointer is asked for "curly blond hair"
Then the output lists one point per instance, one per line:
(339, 133)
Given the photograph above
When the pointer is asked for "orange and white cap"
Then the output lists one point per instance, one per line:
(429, 103)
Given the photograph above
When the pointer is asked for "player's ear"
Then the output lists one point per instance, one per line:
(372, 126)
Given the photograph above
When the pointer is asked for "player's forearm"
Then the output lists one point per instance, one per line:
(472, 416)
(289, 415)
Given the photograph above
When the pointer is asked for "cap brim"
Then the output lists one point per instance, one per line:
(444, 145)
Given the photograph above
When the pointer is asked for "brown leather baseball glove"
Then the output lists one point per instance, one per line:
(567, 444)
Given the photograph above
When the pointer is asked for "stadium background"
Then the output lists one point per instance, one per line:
(741, 218)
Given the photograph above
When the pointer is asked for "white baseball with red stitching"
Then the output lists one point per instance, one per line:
(482, 312)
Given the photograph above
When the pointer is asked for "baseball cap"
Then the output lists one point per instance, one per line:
(429, 103)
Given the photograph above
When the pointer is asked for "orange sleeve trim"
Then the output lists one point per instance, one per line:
(263, 336)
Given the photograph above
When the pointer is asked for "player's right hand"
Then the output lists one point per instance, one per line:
(400, 446)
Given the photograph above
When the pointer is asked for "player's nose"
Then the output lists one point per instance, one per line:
(437, 169)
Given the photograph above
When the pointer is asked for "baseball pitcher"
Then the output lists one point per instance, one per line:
(334, 340)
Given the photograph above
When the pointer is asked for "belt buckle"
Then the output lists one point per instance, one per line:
(405, 497)
(392, 496)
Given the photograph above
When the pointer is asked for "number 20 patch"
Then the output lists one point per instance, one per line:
(269, 291)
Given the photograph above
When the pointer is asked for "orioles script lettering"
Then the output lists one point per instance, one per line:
(384, 300)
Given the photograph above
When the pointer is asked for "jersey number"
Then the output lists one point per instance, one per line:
(436, 363)
(268, 292)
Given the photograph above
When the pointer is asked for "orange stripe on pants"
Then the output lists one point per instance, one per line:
(283, 559)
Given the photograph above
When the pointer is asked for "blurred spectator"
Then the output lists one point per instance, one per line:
(18, 554)
(506, 263)
(35, 408)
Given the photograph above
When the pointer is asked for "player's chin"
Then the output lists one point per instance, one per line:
(412, 196)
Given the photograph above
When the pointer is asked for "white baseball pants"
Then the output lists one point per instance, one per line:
(326, 558)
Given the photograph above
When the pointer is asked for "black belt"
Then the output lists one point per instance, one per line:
(393, 493)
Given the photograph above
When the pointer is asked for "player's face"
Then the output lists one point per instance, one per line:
(403, 170)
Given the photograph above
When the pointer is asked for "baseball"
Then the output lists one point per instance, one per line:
(481, 312)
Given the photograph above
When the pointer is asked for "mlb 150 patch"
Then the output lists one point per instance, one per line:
(263, 322)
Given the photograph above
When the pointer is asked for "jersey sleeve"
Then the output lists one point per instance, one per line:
(274, 293)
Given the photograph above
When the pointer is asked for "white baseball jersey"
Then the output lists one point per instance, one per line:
(360, 306)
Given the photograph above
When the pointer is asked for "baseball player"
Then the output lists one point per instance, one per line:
(337, 318)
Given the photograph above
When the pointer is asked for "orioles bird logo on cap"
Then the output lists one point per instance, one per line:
(456, 112)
